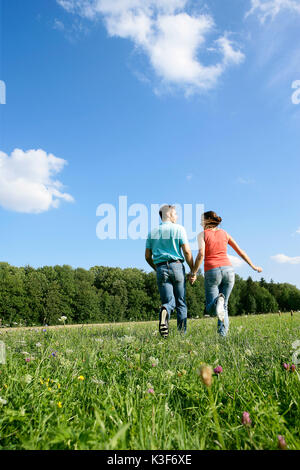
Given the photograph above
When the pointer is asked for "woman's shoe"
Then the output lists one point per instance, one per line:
(220, 310)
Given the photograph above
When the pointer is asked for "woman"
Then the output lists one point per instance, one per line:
(218, 271)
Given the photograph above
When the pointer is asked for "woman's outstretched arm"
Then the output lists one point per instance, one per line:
(242, 254)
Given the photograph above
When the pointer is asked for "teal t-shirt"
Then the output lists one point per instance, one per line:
(165, 242)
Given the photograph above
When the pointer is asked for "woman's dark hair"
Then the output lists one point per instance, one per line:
(211, 219)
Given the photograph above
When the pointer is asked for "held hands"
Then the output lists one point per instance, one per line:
(192, 278)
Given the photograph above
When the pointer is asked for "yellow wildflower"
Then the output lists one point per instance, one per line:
(81, 377)
(59, 404)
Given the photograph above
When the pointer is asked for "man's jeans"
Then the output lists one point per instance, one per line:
(172, 286)
(219, 280)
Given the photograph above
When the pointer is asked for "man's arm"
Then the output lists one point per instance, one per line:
(188, 255)
(148, 257)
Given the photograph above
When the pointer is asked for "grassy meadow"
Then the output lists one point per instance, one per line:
(124, 387)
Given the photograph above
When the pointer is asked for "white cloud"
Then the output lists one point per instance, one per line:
(235, 261)
(270, 8)
(58, 25)
(298, 230)
(281, 258)
(26, 181)
(170, 37)
(242, 180)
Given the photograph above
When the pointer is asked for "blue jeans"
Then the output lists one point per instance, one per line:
(217, 281)
(172, 286)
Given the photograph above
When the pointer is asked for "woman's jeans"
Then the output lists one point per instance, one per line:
(172, 286)
(217, 281)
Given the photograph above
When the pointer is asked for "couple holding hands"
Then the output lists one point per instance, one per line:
(167, 248)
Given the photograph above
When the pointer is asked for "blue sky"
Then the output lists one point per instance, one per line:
(162, 101)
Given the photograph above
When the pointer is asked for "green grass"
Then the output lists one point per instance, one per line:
(49, 406)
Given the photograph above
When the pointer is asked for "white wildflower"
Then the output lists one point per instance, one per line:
(2, 401)
(169, 373)
(62, 319)
(128, 339)
(27, 378)
(153, 361)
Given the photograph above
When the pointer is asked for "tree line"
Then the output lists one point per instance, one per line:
(42, 296)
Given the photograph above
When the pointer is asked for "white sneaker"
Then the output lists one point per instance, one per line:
(220, 310)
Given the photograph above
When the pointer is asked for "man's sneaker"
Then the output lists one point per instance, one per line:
(163, 322)
(220, 311)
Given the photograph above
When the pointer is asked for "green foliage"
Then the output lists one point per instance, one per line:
(31, 296)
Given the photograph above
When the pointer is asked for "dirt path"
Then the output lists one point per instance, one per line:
(79, 325)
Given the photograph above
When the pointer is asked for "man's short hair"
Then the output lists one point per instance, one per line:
(164, 210)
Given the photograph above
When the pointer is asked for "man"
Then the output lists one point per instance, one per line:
(163, 253)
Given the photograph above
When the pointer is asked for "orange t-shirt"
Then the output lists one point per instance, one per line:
(216, 242)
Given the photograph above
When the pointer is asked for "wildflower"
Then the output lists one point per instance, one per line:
(27, 378)
(128, 339)
(205, 373)
(218, 370)
(286, 366)
(54, 353)
(59, 404)
(169, 373)
(153, 361)
(2, 401)
(246, 420)
(80, 377)
(63, 319)
(281, 443)
(150, 390)
(38, 345)
(58, 385)
(27, 359)
(293, 368)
